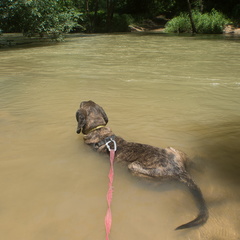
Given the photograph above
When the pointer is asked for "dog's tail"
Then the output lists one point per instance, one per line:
(203, 211)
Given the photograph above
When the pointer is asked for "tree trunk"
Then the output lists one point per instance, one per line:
(110, 10)
(89, 18)
(87, 5)
(95, 14)
(201, 5)
(194, 30)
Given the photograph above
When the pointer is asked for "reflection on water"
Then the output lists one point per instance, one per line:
(162, 90)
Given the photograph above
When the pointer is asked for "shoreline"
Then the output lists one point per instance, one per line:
(229, 29)
(17, 39)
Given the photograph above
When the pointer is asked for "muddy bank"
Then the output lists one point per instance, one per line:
(17, 39)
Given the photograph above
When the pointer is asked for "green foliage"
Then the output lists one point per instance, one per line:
(179, 24)
(94, 22)
(121, 23)
(57, 16)
(98, 23)
(212, 22)
(37, 16)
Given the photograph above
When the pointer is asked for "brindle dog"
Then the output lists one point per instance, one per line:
(142, 159)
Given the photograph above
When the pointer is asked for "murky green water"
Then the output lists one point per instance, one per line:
(157, 89)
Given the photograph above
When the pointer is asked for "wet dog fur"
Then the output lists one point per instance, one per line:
(142, 160)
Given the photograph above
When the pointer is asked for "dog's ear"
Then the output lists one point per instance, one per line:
(105, 117)
(81, 119)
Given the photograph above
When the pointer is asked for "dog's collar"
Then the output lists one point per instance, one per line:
(98, 127)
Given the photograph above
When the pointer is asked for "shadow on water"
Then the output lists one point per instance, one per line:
(17, 41)
(220, 146)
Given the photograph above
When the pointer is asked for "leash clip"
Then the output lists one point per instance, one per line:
(114, 145)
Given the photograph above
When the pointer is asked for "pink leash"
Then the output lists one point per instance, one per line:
(108, 217)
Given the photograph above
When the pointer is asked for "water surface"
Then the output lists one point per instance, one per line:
(163, 90)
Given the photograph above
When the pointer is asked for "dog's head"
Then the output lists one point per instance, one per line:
(89, 116)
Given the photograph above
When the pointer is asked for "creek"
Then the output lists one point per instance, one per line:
(164, 90)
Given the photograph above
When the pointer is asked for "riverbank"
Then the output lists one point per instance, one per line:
(17, 39)
(229, 29)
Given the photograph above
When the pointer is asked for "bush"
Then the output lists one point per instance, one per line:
(212, 22)
(179, 24)
(120, 23)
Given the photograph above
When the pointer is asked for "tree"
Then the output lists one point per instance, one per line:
(33, 16)
(110, 11)
(194, 30)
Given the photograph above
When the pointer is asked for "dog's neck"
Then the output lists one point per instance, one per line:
(97, 135)
(93, 129)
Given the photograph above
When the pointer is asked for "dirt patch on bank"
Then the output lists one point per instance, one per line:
(230, 29)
